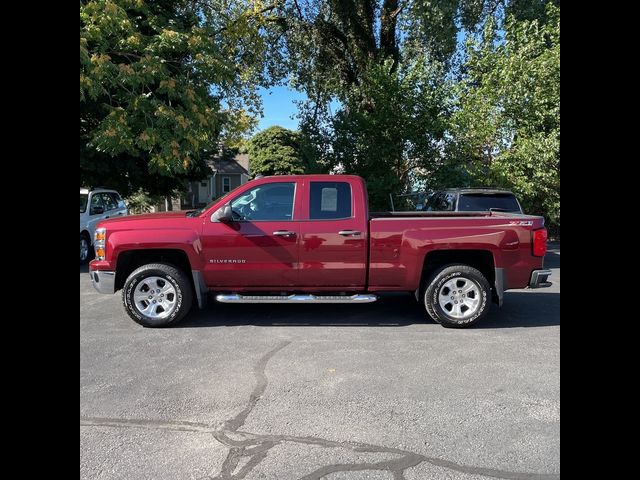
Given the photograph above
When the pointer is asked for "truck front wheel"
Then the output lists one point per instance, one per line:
(457, 296)
(157, 294)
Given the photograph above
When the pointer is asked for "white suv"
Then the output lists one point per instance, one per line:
(96, 204)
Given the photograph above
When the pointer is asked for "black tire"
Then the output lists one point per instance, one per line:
(435, 290)
(84, 237)
(168, 273)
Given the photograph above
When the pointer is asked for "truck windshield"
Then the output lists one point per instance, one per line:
(83, 202)
(470, 202)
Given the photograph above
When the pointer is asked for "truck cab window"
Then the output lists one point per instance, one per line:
(96, 201)
(268, 202)
(449, 202)
(483, 202)
(108, 202)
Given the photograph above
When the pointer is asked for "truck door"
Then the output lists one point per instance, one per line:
(259, 248)
(333, 238)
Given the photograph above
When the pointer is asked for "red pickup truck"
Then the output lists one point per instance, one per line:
(312, 239)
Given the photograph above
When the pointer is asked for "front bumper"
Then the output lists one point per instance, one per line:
(539, 279)
(103, 280)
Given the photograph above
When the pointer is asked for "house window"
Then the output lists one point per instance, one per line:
(226, 184)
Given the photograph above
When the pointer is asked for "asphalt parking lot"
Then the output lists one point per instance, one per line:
(371, 391)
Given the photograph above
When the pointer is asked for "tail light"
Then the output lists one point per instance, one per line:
(540, 242)
(99, 243)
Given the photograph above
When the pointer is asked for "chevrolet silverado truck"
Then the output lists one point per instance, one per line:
(312, 239)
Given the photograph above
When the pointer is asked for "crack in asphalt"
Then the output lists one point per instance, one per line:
(151, 424)
(251, 449)
(238, 449)
(261, 385)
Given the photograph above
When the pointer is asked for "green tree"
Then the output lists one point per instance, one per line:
(393, 142)
(376, 102)
(506, 127)
(378, 75)
(161, 82)
(277, 151)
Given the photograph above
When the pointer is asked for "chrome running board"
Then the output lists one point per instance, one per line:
(236, 298)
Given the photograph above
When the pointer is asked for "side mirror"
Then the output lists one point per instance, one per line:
(223, 214)
(97, 210)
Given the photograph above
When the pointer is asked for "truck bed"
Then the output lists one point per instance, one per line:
(401, 243)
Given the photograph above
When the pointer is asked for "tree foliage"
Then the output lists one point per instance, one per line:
(277, 151)
(388, 120)
(389, 89)
(394, 95)
(506, 127)
(160, 83)
(392, 137)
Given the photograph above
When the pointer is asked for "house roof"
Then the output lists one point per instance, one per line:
(239, 165)
(243, 159)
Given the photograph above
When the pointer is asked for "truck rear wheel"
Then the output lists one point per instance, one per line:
(157, 295)
(457, 296)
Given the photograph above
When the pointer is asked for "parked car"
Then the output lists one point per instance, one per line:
(311, 239)
(96, 204)
(473, 200)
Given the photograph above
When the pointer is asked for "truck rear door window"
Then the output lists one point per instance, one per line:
(330, 200)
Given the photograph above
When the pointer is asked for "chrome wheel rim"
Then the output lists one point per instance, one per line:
(84, 249)
(459, 297)
(155, 297)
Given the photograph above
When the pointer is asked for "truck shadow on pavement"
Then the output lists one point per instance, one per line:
(521, 309)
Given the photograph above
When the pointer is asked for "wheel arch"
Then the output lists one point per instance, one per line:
(130, 260)
(481, 260)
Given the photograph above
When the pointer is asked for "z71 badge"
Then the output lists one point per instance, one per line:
(522, 223)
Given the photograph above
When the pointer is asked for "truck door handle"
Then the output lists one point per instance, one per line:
(107, 216)
(284, 233)
(346, 233)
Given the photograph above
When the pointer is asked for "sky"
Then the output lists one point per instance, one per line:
(278, 107)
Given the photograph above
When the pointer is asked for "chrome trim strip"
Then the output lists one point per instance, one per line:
(103, 280)
(300, 298)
